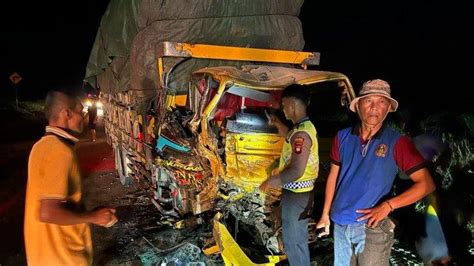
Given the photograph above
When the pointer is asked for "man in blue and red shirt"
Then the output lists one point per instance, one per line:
(364, 162)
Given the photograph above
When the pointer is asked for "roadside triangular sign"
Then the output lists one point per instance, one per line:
(15, 78)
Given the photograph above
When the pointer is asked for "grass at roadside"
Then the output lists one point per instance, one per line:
(28, 109)
(20, 123)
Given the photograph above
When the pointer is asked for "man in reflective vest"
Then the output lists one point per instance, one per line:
(299, 163)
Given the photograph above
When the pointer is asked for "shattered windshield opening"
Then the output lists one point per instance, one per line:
(242, 110)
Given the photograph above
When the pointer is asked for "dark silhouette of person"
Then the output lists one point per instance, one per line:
(92, 111)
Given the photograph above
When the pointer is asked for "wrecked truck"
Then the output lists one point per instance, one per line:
(187, 121)
(211, 147)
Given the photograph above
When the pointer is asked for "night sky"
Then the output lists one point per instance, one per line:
(424, 50)
(47, 43)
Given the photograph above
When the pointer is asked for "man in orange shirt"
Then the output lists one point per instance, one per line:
(56, 227)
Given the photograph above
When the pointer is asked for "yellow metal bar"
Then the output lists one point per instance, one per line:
(180, 100)
(175, 100)
(212, 250)
(231, 252)
(160, 69)
(246, 54)
(209, 108)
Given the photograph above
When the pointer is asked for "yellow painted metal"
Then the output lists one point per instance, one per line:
(206, 115)
(180, 100)
(208, 148)
(150, 129)
(160, 69)
(258, 143)
(276, 77)
(431, 211)
(231, 252)
(231, 197)
(212, 250)
(175, 100)
(243, 54)
(159, 63)
(179, 225)
(207, 144)
(251, 157)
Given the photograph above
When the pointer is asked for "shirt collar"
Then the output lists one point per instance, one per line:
(301, 121)
(356, 130)
(61, 132)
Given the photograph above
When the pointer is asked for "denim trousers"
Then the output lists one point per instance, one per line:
(295, 231)
(358, 244)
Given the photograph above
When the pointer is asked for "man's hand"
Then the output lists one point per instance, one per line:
(56, 211)
(104, 217)
(274, 120)
(375, 215)
(324, 223)
(271, 182)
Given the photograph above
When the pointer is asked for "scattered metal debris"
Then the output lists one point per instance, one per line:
(402, 255)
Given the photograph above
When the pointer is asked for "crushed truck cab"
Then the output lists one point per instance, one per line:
(207, 146)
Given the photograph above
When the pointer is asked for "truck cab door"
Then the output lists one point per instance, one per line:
(251, 147)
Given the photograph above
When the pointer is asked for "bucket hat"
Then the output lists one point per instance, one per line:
(375, 87)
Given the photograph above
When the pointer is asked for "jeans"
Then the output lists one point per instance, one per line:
(295, 231)
(358, 244)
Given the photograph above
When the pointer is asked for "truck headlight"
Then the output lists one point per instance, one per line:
(88, 103)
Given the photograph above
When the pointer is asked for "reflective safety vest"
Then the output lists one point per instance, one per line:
(306, 182)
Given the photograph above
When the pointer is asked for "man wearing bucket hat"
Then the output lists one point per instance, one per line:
(364, 162)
